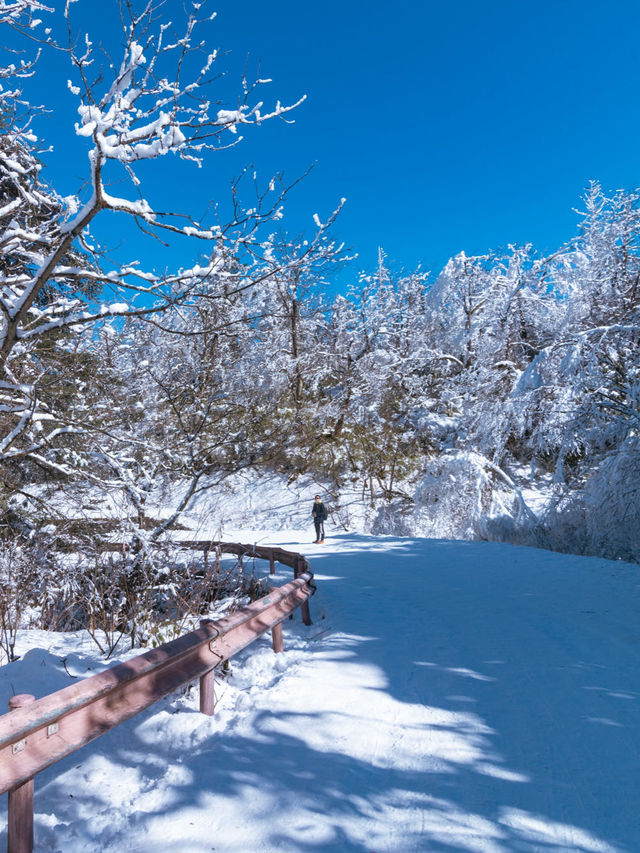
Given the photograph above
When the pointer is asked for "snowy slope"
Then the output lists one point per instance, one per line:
(450, 696)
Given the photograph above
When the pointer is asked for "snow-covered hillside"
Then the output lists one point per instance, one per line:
(450, 696)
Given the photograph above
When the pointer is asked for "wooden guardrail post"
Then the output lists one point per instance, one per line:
(20, 812)
(207, 687)
(299, 568)
(272, 562)
(207, 693)
(306, 613)
(276, 637)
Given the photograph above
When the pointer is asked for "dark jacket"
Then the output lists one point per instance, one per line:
(319, 511)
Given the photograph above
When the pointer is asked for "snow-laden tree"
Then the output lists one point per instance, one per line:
(172, 419)
(364, 434)
(290, 312)
(205, 392)
(520, 316)
(576, 399)
(154, 100)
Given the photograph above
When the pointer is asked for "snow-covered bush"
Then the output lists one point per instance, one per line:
(602, 518)
(13, 572)
(392, 520)
(27, 572)
(142, 599)
(461, 494)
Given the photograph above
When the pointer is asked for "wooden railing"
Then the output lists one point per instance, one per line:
(39, 732)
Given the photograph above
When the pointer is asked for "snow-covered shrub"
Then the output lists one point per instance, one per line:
(26, 569)
(603, 518)
(392, 519)
(12, 602)
(155, 595)
(461, 494)
(143, 598)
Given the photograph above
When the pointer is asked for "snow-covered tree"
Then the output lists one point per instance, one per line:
(153, 101)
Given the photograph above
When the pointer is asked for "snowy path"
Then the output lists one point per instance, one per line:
(456, 697)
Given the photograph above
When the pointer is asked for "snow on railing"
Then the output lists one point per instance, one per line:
(39, 732)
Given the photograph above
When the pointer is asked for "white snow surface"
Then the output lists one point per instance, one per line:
(450, 696)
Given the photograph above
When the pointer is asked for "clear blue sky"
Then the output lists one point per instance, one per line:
(448, 126)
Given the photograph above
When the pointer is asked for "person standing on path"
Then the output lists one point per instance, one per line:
(319, 513)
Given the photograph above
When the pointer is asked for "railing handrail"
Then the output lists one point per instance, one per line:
(43, 731)
(293, 560)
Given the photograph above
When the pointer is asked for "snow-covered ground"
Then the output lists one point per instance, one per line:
(450, 696)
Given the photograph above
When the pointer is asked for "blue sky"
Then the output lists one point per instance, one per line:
(447, 126)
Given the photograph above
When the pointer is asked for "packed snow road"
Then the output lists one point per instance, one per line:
(449, 696)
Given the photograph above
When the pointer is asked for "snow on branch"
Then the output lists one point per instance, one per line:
(13, 11)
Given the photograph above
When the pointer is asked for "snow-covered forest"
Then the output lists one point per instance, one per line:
(497, 399)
